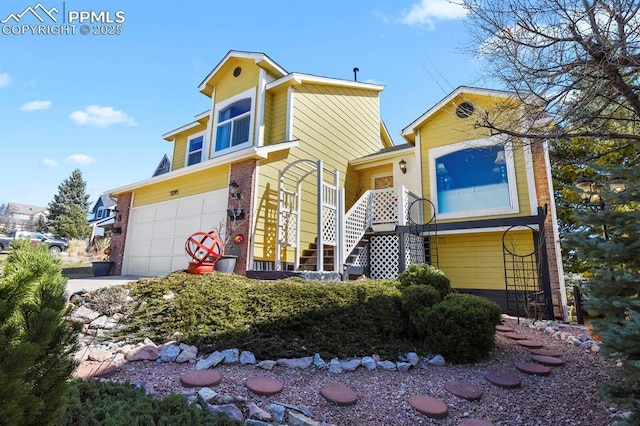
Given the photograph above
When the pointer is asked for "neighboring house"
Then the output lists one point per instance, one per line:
(101, 216)
(306, 162)
(19, 216)
(163, 167)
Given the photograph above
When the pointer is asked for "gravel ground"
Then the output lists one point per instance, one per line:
(566, 397)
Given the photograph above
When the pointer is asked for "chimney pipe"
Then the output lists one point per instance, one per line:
(355, 74)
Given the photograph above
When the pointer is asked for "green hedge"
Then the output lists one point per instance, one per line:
(461, 328)
(423, 274)
(287, 318)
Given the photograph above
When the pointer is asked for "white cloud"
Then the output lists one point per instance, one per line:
(5, 80)
(428, 12)
(80, 159)
(48, 162)
(35, 106)
(99, 116)
(372, 81)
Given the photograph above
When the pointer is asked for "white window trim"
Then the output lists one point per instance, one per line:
(250, 93)
(435, 153)
(203, 150)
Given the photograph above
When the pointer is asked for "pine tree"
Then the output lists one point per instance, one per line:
(71, 192)
(36, 342)
(609, 239)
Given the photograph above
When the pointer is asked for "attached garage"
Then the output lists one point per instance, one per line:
(157, 232)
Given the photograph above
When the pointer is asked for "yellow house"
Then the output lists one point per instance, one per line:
(299, 173)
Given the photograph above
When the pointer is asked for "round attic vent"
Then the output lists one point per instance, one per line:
(237, 71)
(465, 109)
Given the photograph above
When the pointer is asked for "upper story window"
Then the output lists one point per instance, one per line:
(234, 121)
(194, 150)
(102, 212)
(473, 180)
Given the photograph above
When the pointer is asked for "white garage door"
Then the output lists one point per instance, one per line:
(157, 232)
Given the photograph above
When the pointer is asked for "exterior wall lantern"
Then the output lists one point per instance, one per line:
(234, 190)
(403, 166)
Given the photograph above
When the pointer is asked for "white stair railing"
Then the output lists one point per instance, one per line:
(356, 222)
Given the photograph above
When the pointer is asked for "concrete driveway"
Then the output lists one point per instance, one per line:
(90, 284)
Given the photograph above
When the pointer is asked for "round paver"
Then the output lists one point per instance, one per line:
(530, 343)
(549, 361)
(464, 390)
(515, 336)
(503, 328)
(265, 386)
(503, 380)
(533, 368)
(545, 352)
(429, 406)
(475, 422)
(200, 378)
(339, 394)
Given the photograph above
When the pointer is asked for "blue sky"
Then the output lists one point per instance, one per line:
(100, 103)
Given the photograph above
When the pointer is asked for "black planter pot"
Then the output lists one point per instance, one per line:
(101, 269)
(226, 264)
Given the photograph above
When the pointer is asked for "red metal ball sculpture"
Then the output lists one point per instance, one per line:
(204, 248)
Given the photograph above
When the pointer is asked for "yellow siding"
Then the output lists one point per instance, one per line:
(333, 124)
(268, 114)
(475, 261)
(180, 146)
(278, 119)
(228, 86)
(366, 175)
(446, 128)
(191, 184)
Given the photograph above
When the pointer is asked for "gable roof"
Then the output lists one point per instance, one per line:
(105, 201)
(408, 132)
(261, 59)
(164, 166)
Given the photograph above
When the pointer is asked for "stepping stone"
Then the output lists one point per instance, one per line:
(503, 380)
(545, 352)
(547, 360)
(530, 344)
(87, 371)
(475, 422)
(200, 378)
(464, 390)
(533, 368)
(339, 394)
(515, 336)
(265, 386)
(503, 328)
(431, 407)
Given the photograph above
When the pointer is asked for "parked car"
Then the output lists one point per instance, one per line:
(56, 244)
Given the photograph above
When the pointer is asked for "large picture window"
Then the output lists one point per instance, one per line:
(473, 180)
(234, 121)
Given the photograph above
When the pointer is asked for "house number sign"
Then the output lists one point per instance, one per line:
(174, 192)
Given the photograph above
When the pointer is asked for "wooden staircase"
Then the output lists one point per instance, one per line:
(309, 257)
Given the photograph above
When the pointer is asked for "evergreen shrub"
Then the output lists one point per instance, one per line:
(36, 342)
(94, 402)
(423, 274)
(461, 328)
(287, 318)
(414, 298)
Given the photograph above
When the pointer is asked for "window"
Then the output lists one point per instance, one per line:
(234, 121)
(473, 181)
(194, 150)
(102, 212)
(382, 182)
(234, 124)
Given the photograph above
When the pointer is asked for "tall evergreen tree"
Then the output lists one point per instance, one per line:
(71, 192)
(36, 341)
